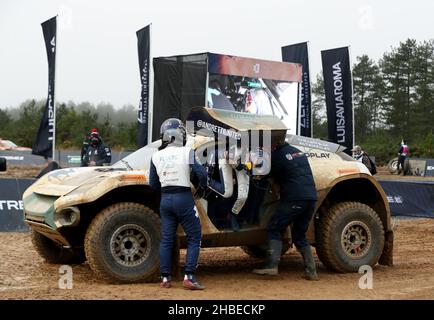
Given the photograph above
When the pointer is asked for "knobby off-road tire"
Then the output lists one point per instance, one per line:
(392, 166)
(260, 251)
(55, 253)
(122, 243)
(348, 236)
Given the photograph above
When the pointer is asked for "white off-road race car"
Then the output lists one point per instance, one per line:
(109, 216)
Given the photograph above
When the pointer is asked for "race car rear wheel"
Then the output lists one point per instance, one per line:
(55, 253)
(349, 236)
(122, 243)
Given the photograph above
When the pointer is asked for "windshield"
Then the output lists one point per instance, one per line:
(140, 159)
(254, 95)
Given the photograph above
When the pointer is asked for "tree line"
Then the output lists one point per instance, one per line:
(393, 100)
(117, 127)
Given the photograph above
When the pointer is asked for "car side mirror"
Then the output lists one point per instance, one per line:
(2, 164)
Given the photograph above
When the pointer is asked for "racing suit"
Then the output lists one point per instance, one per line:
(291, 171)
(170, 173)
(226, 185)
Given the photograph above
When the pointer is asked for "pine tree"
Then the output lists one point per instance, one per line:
(319, 115)
(424, 88)
(368, 97)
(398, 68)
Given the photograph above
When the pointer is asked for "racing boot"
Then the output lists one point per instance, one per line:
(273, 259)
(309, 263)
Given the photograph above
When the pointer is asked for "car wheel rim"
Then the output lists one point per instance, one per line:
(130, 245)
(356, 239)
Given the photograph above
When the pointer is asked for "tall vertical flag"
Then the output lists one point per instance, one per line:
(339, 96)
(45, 140)
(298, 53)
(143, 46)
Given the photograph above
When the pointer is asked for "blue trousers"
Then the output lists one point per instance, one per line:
(297, 212)
(175, 209)
(401, 161)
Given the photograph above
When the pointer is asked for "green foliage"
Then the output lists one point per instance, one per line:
(382, 145)
(73, 122)
(367, 96)
(319, 117)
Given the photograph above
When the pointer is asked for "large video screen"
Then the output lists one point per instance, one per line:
(239, 84)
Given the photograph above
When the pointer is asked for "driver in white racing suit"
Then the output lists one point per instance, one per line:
(225, 187)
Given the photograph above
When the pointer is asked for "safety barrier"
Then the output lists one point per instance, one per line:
(67, 158)
(406, 198)
(11, 204)
(410, 198)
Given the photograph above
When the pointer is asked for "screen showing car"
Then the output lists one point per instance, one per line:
(254, 86)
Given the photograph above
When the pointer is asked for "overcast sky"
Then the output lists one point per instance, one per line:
(97, 46)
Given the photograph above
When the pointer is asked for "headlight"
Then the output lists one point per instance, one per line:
(68, 217)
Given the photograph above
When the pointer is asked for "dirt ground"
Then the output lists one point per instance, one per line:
(20, 172)
(226, 272)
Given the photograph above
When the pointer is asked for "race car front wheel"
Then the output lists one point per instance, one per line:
(122, 243)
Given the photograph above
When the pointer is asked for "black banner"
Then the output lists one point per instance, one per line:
(44, 140)
(298, 53)
(339, 100)
(179, 84)
(143, 46)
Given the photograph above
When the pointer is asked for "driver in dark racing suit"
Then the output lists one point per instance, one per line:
(291, 171)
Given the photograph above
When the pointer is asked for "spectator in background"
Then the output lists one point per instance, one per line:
(85, 143)
(402, 156)
(361, 156)
(95, 153)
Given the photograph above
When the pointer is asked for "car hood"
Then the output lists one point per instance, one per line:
(77, 181)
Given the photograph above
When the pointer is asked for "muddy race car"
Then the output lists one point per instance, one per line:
(109, 216)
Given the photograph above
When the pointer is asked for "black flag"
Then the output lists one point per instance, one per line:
(298, 53)
(44, 140)
(339, 96)
(143, 46)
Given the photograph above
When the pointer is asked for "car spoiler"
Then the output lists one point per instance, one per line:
(216, 122)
